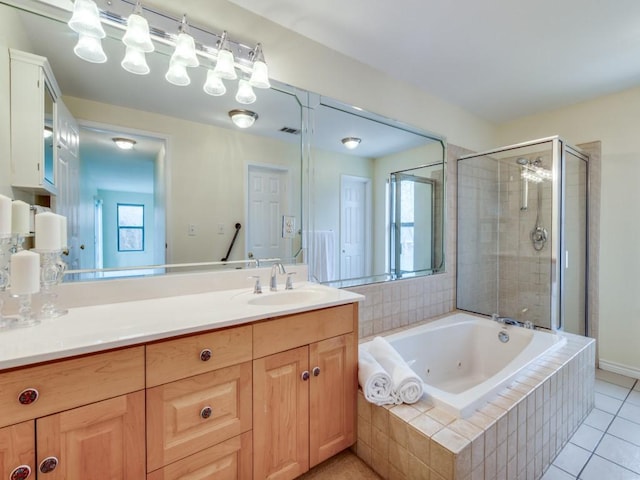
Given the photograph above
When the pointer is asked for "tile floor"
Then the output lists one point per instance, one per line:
(607, 444)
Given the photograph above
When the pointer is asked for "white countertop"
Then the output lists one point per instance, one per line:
(103, 327)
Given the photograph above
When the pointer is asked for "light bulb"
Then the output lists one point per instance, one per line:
(245, 93)
(177, 74)
(137, 34)
(135, 62)
(224, 65)
(86, 19)
(89, 48)
(213, 85)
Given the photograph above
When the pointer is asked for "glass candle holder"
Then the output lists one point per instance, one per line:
(26, 317)
(6, 246)
(17, 240)
(52, 269)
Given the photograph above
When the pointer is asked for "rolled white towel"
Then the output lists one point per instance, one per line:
(407, 385)
(374, 380)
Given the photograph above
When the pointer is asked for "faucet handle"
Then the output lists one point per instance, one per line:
(289, 284)
(257, 288)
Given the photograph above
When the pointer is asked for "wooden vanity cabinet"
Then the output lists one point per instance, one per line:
(304, 396)
(17, 451)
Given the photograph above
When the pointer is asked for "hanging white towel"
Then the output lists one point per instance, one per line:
(406, 384)
(323, 255)
(376, 383)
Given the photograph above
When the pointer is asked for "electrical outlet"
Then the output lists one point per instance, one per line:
(221, 229)
(191, 230)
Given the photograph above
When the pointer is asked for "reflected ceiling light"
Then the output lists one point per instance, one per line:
(86, 19)
(243, 118)
(135, 62)
(90, 49)
(137, 35)
(213, 85)
(225, 64)
(124, 143)
(245, 94)
(259, 72)
(351, 142)
(48, 132)
(177, 74)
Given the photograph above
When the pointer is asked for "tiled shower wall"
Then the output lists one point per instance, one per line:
(404, 302)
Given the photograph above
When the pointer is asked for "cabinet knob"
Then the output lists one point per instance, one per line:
(305, 375)
(205, 355)
(316, 371)
(49, 464)
(206, 412)
(28, 396)
(20, 473)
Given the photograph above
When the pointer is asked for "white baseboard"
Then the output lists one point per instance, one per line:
(619, 368)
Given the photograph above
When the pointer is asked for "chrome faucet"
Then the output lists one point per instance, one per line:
(275, 269)
(511, 321)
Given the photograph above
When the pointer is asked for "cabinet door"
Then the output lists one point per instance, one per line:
(332, 387)
(281, 415)
(17, 451)
(101, 441)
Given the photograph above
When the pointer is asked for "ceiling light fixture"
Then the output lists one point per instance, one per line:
(48, 132)
(243, 118)
(225, 59)
(124, 143)
(351, 142)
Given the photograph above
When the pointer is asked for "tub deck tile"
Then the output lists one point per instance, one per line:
(441, 416)
(465, 428)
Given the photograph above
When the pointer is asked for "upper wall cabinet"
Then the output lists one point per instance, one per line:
(34, 135)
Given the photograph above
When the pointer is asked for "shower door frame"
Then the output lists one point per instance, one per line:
(558, 245)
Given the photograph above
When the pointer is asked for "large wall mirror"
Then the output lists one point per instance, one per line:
(198, 176)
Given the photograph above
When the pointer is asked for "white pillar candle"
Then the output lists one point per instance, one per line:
(63, 231)
(20, 217)
(25, 273)
(5, 215)
(48, 231)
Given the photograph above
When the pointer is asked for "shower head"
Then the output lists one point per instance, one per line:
(522, 161)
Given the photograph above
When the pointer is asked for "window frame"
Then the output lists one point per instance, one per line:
(130, 227)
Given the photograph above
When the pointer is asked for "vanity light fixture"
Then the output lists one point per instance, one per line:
(225, 63)
(177, 74)
(138, 42)
(213, 85)
(124, 143)
(243, 118)
(259, 71)
(245, 94)
(134, 61)
(351, 142)
(85, 21)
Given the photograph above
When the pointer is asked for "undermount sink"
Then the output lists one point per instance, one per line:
(287, 297)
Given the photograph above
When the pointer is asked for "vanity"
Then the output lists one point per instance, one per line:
(208, 385)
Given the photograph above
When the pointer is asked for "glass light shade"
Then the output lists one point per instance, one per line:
(185, 51)
(245, 93)
(90, 49)
(86, 19)
(224, 66)
(124, 143)
(260, 75)
(213, 85)
(177, 74)
(351, 142)
(243, 118)
(135, 62)
(137, 34)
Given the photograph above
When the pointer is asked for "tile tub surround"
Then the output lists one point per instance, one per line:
(515, 436)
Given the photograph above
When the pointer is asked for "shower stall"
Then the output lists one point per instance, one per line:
(522, 234)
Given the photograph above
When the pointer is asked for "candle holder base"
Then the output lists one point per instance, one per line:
(25, 317)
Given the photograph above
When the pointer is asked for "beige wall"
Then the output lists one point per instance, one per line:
(613, 120)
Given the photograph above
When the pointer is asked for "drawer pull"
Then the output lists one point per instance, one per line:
(316, 371)
(206, 412)
(20, 473)
(205, 355)
(48, 465)
(305, 375)
(28, 396)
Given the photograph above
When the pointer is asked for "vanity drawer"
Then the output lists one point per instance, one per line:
(285, 333)
(31, 392)
(175, 359)
(229, 459)
(189, 415)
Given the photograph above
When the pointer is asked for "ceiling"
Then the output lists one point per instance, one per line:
(499, 59)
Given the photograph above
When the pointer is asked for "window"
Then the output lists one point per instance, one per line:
(130, 228)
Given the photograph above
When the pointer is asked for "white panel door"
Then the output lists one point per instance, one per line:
(267, 202)
(353, 228)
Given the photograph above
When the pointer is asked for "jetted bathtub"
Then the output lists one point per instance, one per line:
(462, 360)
